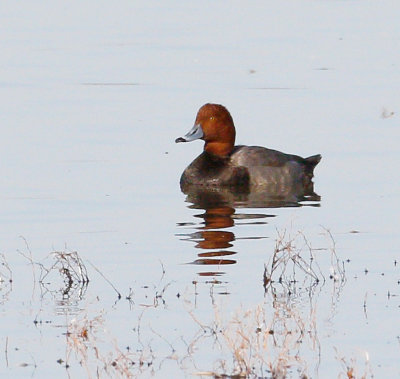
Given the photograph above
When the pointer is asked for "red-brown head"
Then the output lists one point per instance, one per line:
(215, 126)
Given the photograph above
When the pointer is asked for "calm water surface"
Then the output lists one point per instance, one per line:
(92, 99)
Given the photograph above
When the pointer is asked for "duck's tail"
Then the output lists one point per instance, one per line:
(313, 160)
(310, 164)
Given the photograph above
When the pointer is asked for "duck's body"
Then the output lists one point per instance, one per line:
(224, 165)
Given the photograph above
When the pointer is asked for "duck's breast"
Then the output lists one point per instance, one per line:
(209, 170)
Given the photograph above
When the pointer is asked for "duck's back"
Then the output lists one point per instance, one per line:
(267, 166)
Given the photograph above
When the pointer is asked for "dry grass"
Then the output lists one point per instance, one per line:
(91, 344)
(6, 279)
(256, 343)
(69, 265)
(262, 344)
(351, 369)
(64, 265)
(98, 352)
(279, 338)
(5, 270)
(276, 339)
(288, 266)
(64, 275)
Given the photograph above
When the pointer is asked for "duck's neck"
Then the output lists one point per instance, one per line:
(220, 149)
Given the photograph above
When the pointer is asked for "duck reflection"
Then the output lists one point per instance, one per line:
(220, 204)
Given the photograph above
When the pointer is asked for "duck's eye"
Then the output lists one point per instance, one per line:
(212, 118)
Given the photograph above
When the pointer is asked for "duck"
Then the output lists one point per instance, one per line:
(224, 165)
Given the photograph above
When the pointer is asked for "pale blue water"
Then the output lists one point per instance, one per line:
(92, 98)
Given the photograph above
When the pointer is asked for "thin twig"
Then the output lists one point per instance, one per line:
(30, 259)
(6, 351)
(102, 275)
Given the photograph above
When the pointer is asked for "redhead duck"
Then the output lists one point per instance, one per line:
(222, 164)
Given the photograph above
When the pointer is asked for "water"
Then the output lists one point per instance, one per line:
(92, 98)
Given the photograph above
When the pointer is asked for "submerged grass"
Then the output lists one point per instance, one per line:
(98, 352)
(6, 279)
(278, 338)
(275, 339)
(351, 369)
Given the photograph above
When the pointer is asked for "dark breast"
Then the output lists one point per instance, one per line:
(210, 170)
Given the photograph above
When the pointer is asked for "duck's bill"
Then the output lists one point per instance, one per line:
(195, 133)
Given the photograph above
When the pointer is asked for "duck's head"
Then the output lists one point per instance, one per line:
(215, 126)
